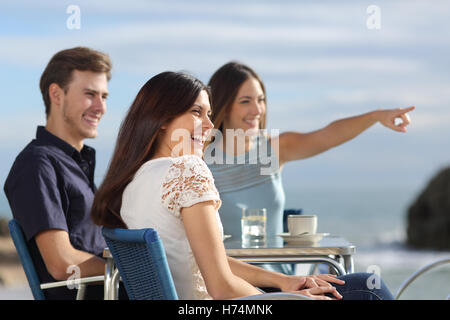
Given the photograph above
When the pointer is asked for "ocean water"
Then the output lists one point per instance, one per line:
(374, 220)
(5, 212)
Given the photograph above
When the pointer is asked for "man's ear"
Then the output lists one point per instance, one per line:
(56, 94)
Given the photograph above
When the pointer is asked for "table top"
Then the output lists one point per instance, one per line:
(275, 246)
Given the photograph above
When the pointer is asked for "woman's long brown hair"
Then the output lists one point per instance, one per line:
(163, 98)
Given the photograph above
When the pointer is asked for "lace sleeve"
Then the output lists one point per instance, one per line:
(188, 181)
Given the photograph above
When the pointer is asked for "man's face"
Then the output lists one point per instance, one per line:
(83, 104)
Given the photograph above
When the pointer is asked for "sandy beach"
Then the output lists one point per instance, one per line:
(13, 282)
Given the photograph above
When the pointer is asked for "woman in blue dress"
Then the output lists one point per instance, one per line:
(246, 161)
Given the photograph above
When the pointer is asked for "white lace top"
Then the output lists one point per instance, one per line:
(154, 198)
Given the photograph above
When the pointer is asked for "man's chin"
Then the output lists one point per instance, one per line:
(90, 134)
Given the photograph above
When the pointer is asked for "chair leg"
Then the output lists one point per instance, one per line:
(81, 292)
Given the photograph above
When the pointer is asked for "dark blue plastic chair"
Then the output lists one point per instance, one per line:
(30, 271)
(21, 246)
(141, 260)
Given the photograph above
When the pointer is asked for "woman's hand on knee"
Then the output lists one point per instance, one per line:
(319, 293)
(294, 283)
(313, 286)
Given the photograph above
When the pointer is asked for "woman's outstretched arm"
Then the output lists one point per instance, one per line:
(296, 145)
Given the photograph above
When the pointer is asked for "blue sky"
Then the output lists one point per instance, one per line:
(319, 61)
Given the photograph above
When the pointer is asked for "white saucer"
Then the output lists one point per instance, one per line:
(226, 236)
(302, 239)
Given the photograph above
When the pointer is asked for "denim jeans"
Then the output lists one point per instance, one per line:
(363, 286)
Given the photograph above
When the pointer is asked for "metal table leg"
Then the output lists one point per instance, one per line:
(348, 263)
(108, 285)
(114, 294)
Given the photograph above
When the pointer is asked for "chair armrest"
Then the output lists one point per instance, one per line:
(72, 282)
(276, 296)
(418, 273)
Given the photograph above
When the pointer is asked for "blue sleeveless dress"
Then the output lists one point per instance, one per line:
(251, 180)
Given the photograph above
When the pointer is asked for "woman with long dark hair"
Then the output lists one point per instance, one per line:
(162, 99)
(157, 179)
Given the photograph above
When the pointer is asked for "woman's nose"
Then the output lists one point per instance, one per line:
(257, 108)
(208, 124)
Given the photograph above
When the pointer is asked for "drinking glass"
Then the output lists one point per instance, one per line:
(253, 225)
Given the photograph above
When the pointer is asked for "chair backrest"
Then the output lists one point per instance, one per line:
(25, 258)
(140, 257)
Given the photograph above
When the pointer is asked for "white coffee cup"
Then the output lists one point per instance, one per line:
(298, 224)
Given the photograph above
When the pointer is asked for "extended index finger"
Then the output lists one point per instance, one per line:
(406, 110)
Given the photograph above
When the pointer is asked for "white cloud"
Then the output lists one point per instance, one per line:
(436, 95)
(158, 27)
(332, 64)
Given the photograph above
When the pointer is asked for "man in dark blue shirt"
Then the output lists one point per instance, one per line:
(50, 187)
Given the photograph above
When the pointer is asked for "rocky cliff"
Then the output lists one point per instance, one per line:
(429, 215)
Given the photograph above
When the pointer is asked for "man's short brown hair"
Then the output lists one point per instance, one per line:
(62, 64)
